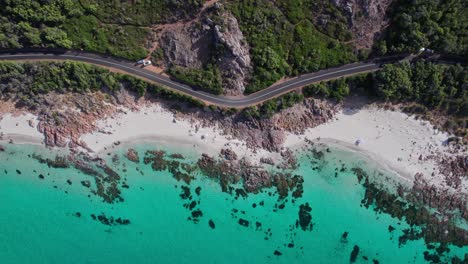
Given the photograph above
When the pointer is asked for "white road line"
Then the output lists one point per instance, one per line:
(103, 62)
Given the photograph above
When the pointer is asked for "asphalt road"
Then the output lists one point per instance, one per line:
(237, 102)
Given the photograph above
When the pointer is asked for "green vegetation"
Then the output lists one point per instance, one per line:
(208, 79)
(66, 24)
(423, 87)
(157, 56)
(439, 25)
(300, 10)
(285, 44)
(339, 89)
(143, 12)
(26, 83)
(270, 107)
(437, 87)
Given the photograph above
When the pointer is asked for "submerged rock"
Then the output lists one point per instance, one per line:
(354, 254)
(132, 155)
(305, 217)
(243, 222)
(277, 253)
(211, 224)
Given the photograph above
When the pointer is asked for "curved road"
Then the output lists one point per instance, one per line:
(237, 102)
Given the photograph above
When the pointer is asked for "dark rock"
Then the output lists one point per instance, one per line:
(41, 176)
(243, 222)
(185, 193)
(277, 253)
(228, 154)
(305, 217)
(18, 171)
(132, 155)
(198, 190)
(268, 161)
(197, 213)
(211, 224)
(176, 156)
(354, 254)
(86, 184)
(344, 237)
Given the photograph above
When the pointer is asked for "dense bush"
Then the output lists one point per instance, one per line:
(285, 44)
(143, 12)
(439, 87)
(427, 87)
(208, 79)
(27, 82)
(66, 24)
(300, 10)
(439, 25)
(339, 89)
(270, 107)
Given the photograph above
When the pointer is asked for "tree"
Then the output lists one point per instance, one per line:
(57, 36)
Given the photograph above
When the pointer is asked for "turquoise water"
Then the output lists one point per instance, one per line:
(39, 222)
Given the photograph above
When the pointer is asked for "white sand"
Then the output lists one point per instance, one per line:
(156, 124)
(392, 137)
(17, 129)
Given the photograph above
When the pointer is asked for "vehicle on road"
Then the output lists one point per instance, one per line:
(143, 62)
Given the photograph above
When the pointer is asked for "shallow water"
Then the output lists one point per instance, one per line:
(39, 222)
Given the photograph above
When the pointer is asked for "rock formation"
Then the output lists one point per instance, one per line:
(366, 19)
(203, 41)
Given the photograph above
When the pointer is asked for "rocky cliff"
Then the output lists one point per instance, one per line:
(367, 19)
(213, 38)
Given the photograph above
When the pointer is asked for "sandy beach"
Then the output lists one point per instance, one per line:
(20, 129)
(399, 142)
(159, 125)
(389, 137)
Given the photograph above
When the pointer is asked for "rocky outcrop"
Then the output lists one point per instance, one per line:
(269, 133)
(235, 64)
(220, 43)
(187, 46)
(228, 154)
(366, 19)
(253, 178)
(442, 199)
(132, 155)
(64, 118)
(454, 169)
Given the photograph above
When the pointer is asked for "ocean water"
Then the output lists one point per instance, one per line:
(50, 220)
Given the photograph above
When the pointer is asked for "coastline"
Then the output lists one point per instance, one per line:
(156, 124)
(20, 129)
(395, 141)
(401, 142)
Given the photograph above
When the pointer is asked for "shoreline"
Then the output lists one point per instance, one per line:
(367, 157)
(394, 141)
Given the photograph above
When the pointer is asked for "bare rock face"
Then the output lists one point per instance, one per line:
(235, 65)
(194, 45)
(187, 46)
(367, 19)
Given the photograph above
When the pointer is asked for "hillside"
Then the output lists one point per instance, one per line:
(236, 46)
